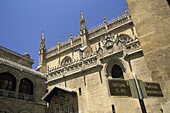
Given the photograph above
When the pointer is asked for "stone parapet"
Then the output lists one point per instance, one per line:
(73, 66)
(16, 95)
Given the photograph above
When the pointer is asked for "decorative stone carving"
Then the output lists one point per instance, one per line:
(133, 46)
(73, 66)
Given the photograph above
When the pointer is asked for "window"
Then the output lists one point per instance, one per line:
(168, 2)
(7, 81)
(26, 86)
(117, 72)
(79, 91)
(113, 109)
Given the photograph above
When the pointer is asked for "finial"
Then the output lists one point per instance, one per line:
(104, 18)
(42, 36)
(70, 34)
(26, 54)
(58, 40)
(81, 15)
(125, 8)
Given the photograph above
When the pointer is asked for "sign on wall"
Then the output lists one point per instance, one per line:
(128, 88)
(119, 88)
(153, 89)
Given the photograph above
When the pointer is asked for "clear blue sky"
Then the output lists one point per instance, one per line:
(22, 21)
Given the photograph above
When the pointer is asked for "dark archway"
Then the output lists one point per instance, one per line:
(7, 81)
(26, 86)
(117, 72)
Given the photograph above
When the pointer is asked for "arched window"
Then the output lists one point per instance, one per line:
(117, 72)
(66, 60)
(7, 81)
(26, 86)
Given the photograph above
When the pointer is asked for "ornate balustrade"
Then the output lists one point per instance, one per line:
(15, 95)
(73, 66)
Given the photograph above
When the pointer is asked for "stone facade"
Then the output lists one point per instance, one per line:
(81, 72)
(85, 64)
(151, 20)
(17, 100)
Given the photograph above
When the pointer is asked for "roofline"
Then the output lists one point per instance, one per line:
(16, 54)
(22, 69)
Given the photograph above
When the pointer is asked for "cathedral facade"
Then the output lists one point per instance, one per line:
(91, 72)
(106, 69)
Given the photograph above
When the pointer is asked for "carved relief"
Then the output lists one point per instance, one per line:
(66, 60)
(64, 102)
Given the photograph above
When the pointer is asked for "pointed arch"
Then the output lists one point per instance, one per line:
(117, 71)
(115, 67)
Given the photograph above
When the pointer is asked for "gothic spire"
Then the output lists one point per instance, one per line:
(42, 50)
(81, 16)
(83, 30)
(42, 43)
(82, 22)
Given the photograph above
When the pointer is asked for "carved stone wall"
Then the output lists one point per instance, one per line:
(151, 19)
(63, 102)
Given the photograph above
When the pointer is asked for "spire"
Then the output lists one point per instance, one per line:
(83, 30)
(42, 43)
(42, 36)
(82, 22)
(81, 16)
(42, 50)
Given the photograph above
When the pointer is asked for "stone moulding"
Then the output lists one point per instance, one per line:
(16, 95)
(92, 67)
(76, 64)
(116, 54)
(21, 67)
(72, 67)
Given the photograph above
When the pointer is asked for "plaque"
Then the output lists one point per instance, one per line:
(119, 88)
(153, 89)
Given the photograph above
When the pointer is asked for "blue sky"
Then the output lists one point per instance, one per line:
(22, 21)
